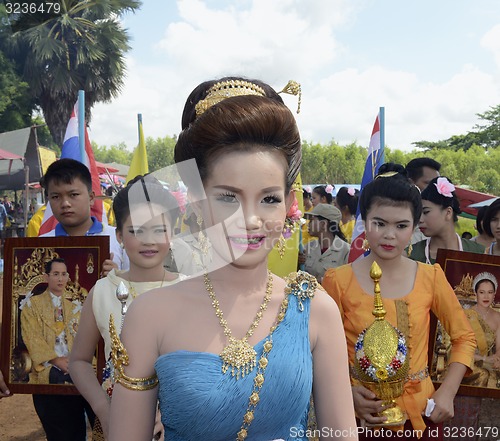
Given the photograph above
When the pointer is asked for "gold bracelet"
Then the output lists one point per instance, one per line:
(146, 383)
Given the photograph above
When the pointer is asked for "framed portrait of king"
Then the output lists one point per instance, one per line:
(474, 279)
(46, 281)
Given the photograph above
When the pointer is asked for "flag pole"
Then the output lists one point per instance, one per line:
(382, 134)
(139, 123)
(81, 122)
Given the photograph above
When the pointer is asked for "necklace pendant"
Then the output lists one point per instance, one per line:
(240, 356)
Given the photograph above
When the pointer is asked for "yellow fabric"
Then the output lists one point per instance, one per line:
(38, 328)
(139, 164)
(431, 292)
(347, 229)
(283, 267)
(47, 157)
(108, 208)
(35, 222)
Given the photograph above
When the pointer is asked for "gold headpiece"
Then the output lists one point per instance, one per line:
(226, 89)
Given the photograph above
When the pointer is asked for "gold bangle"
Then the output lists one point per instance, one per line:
(146, 383)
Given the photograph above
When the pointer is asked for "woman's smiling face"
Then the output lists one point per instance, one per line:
(247, 204)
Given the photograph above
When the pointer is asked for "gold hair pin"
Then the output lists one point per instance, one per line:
(387, 174)
(293, 88)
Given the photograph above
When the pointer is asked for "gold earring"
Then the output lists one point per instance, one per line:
(409, 249)
(366, 245)
(202, 238)
(281, 246)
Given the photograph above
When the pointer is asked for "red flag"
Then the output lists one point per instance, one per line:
(374, 160)
(71, 150)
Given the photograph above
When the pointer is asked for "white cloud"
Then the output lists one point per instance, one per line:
(291, 39)
(491, 41)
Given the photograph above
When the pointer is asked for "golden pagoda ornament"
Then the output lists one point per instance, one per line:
(381, 359)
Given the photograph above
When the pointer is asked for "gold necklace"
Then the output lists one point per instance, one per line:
(481, 314)
(239, 355)
(134, 292)
(258, 381)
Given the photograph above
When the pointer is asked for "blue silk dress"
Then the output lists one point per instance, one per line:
(198, 401)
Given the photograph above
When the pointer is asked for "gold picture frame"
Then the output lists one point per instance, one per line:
(24, 268)
(460, 268)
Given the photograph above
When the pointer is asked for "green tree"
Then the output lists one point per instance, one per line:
(485, 135)
(15, 102)
(160, 152)
(490, 131)
(115, 153)
(43, 134)
(80, 48)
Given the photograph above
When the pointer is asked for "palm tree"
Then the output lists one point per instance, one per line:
(80, 48)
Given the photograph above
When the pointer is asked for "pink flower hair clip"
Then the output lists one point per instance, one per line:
(329, 188)
(351, 191)
(293, 219)
(445, 187)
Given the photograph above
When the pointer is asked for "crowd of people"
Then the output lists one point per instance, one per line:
(203, 341)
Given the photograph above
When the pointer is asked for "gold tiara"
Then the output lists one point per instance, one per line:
(485, 276)
(226, 89)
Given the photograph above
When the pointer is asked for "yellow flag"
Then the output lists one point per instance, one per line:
(283, 267)
(139, 164)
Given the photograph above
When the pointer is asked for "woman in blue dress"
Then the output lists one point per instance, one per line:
(235, 353)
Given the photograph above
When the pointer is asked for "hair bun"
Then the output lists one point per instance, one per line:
(389, 167)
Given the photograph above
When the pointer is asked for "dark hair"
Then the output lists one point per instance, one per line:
(306, 194)
(430, 193)
(48, 265)
(149, 191)
(479, 219)
(476, 285)
(491, 211)
(66, 171)
(395, 190)
(415, 168)
(334, 228)
(344, 199)
(239, 123)
(320, 190)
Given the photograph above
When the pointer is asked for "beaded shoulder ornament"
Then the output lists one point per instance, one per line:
(230, 88)
(120, 359)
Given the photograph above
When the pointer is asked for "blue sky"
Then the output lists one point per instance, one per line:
(433, 65)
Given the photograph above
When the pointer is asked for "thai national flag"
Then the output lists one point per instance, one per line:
(374, 160)
(71, 149)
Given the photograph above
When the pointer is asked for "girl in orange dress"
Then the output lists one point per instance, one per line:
(391, 207)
